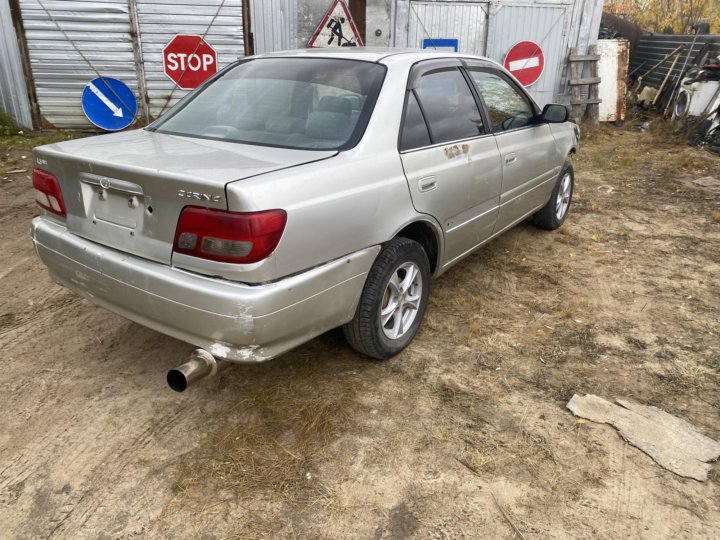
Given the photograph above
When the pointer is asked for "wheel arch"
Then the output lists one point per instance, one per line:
(429, 235)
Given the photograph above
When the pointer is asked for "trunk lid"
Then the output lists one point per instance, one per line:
(126, 190)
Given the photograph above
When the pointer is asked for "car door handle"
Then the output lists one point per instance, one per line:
(427, 183)
(510, 159)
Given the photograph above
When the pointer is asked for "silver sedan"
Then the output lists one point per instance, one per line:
(297, 192)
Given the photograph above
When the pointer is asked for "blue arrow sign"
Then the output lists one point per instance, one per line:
(109, 103)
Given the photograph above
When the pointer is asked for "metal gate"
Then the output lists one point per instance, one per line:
(71, 42)
(491, 28)
(545, 24)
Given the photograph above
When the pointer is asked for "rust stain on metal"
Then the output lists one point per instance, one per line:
(623, 60)
(455, 150)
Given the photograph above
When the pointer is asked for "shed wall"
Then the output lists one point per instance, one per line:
(13, 91)
(274, 25)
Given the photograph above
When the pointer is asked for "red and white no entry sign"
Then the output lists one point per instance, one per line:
(189, 60)
(526, 61)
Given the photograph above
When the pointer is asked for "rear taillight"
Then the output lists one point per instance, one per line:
(233, 237)
(47, 192)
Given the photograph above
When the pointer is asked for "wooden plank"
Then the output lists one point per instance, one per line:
(585, 58)
(575, 73)
(587, 101)
(594, 90)
(587, 80)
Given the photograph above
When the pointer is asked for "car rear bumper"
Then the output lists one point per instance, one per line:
(234, 321)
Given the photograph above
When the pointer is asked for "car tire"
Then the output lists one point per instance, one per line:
(393, 301)
(553, 214)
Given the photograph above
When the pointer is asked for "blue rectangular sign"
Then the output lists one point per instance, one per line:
(445, 44)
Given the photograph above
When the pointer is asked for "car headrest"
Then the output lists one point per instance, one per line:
(335, 104)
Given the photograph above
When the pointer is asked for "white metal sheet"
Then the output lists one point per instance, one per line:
(612, 69)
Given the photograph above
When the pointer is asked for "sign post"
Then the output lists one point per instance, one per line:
(189, 60)
(526, 61)
(109, 104)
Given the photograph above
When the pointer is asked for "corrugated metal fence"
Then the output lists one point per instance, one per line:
(653, 48)
(13, 92)
(218, 21)
(71, 42)
(467, 22)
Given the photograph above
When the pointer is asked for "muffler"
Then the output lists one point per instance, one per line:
(201, 364)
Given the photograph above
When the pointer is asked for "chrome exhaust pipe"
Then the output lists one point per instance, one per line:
(201, 364)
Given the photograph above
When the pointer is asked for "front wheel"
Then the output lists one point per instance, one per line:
(393, 301)
(553, 214)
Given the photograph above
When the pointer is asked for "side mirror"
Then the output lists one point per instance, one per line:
(555, 114)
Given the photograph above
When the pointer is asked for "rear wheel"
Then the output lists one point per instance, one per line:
(393, 301)
(553, 214)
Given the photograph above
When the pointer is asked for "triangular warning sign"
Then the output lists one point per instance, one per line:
(337, 29)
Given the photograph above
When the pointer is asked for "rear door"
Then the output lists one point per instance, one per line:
(451, 159)
(527, 147)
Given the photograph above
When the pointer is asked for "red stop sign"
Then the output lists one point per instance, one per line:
(189, 60)
(526, 61)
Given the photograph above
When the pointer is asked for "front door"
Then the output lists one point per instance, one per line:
(529, 164)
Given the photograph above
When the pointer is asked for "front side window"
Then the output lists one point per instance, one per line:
(448, 106)
(303, 103)
(507, 107)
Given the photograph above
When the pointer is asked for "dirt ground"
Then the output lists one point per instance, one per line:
(464, 435)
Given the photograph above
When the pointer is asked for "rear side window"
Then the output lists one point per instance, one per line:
(507, 107)
(415, 132)
(448, 106)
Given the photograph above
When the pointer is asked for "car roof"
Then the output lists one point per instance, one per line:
(371, 54)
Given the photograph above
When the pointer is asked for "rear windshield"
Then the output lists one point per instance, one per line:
(304, 103)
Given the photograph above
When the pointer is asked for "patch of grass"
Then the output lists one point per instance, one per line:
(13, 135)
(684, 377)
(8, 126)
(495, 456)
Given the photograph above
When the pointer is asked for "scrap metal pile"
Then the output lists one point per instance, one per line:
(688, 95)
